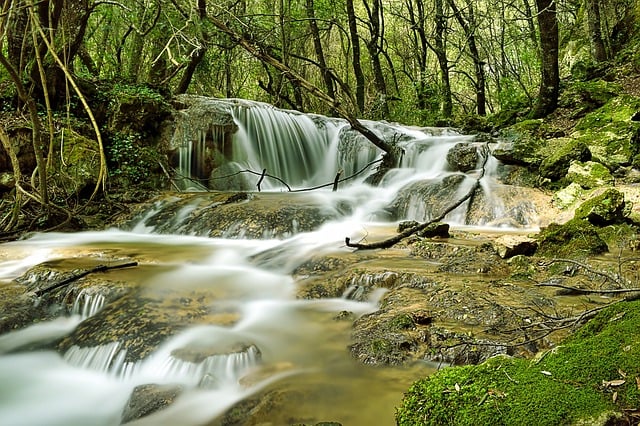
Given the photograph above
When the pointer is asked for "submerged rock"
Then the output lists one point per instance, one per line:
(147, 399)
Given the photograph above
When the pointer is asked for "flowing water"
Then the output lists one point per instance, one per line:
(265, 340)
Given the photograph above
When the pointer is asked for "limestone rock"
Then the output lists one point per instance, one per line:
(556, 165)
(568, 195)
(508, 246)
(589, 175)
(604, 209)
(463, 157)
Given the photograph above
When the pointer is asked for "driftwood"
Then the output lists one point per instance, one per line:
(390, 242)
(99, 268)
(588, 290)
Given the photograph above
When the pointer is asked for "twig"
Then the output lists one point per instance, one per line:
(99, 268)
(588, 290)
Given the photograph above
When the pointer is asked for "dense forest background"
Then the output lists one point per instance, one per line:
(67, 66)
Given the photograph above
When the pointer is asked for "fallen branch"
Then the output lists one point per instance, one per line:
(99, 268)
(588, 290)
(390, 242)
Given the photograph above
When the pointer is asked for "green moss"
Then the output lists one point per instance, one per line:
(573, 383)
(573, 239)
(401, 322)
(556, 164)
(604, 209)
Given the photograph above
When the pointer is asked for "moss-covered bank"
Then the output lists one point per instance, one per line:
(593, 378)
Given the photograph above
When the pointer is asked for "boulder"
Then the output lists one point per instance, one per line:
(463, 157)
(508, 246)
(589, 175)
(575, 238)
(568, 195)
(604, 209)
(556, 165)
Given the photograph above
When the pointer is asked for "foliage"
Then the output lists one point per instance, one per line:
(130, 162)
(593, 376)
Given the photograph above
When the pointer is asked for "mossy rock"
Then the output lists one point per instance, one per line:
(573, 384)
(568, 195)
(577, 237)
(610, 133)
(556, 165)
(589, 175)
(604, 209)
(586, 96)
(520, 144)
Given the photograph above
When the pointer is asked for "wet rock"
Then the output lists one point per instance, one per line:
(604, 209)
(512, 245)
(589, 175)
(556, 165)
(463, 157)
(230, 215)
(147, 399)
(438, 229)
(426, 199)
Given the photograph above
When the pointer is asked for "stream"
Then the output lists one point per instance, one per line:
(237, 331)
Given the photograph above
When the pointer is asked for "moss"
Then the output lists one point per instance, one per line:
(401, 322)
(604, 209)
(574, 383)
(575, 238)
(608, 131)
(556, 165)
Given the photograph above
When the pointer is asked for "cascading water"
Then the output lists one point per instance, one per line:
(233, 326)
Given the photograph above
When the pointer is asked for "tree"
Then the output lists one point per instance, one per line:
(598, 49)
(547, 100)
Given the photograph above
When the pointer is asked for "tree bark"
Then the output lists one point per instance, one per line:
(598, 49)
(443, 62)
(550, 74)
(317, 45)
(355, 57)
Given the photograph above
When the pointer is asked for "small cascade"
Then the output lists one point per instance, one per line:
(213, 371)
(107, 358)
(87, 304)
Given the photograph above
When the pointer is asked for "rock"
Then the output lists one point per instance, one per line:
(437, 229)
(463, 157)
(604, 209)
(508, 246)
(573, 239)
(568, 195)
(147, 399)
(556, 165)
(7, 182)
(589, 175)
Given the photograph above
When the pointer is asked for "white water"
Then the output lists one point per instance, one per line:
(91, 385)
(296, 342)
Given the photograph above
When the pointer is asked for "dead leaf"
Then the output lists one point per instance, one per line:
(613, 383)
(546, 373)
(622, 373)
(617, 317)
(457, 386)
(638, 382)
(615, 396)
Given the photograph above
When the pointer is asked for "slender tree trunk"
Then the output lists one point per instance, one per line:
(598, 50)
(374, 46)
(469, 27)
(317, 45)
(550, 74)
(443, 62)
(355, 57)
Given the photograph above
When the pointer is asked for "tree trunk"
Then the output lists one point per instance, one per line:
(443, 62)
(550, 74)
(374, 46)
(469, 27)
(598, 50)
(355, 57)
(317, 45)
